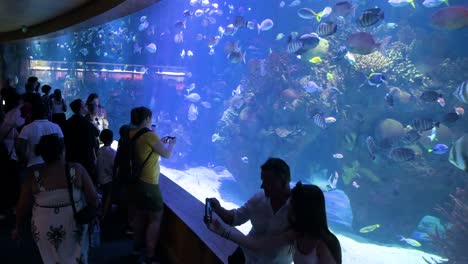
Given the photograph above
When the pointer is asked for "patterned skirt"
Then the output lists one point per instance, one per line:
(58, 237)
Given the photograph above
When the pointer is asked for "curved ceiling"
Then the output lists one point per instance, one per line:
(26, 19)
(16, 13)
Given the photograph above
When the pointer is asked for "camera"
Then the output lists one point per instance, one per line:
(208, 218)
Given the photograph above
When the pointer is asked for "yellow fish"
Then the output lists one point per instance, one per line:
(315, 60)
(410, 241)
(330, 76)
(368, 229)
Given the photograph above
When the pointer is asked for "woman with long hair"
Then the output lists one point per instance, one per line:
(54, 229)
(309, 236)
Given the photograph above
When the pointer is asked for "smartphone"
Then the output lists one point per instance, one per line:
(208, 211)
(169, 137)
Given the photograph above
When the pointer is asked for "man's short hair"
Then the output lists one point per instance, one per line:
(279, 167)
(76, 106)
(106, 136)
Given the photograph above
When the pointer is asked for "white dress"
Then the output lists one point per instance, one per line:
(58, 237)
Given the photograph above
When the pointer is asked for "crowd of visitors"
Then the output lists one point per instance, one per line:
(64, 172)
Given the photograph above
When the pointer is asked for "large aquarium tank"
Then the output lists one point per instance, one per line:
(363, 98)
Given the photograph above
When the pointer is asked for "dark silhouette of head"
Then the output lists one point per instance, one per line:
(46, 89)
(106, 136)
(275, 175)
(57, 94)
(308, 216)
(91, 98)
(139, 114)
(50, 148)
(76, 106)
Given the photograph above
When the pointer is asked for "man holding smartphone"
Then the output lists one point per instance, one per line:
(267, 211)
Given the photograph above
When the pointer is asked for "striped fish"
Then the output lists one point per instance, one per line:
(326, 29)
(370, 17)
(459, 153)
(424, 124)
(402, 154)
(461, 93)
(319, 120)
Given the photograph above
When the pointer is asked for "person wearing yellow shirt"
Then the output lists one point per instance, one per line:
(147, 198)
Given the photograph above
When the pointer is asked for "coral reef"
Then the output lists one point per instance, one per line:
(453, 243)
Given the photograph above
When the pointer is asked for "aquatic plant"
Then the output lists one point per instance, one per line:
(453, 243)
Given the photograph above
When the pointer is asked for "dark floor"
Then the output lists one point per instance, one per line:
(115, 245)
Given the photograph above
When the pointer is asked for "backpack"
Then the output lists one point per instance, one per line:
(129, 169)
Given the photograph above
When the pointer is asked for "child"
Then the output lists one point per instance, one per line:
(105, 164)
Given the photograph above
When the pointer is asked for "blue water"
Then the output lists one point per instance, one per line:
(395, 195)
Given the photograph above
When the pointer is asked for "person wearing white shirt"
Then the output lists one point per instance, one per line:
(313, 242)
(267, 211)
(31, 134)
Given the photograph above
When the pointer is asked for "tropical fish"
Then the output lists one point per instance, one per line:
(344, 8)
(434, 3)
(449, 118)
(349, 57)
(438, 149)
(307, 13)
(391, 25)
(370, 17)
(236, 56)
(302, 44)
(192, 112)
(216, 137)
(399, 3)
(266, 25)
(338, 156)
(376, 79)
(330, 76)
(433, 136)
(441, 101)
(245, 160)
(326, 28)
(450, 18)
(240, 22)
(295, 3)
(364, 43)
(371, 147)
(193, 97)
(402, 154)
(430, 96)
(198, 13)
(319, 120)
(330, 120)
(311, 87)
(356, 185)
(279, 36)
(460, 111)
(423, 124)
(461, 93)
(151, 48)
(410, 241)
(459, 153)
(315, 60)
(368, 229)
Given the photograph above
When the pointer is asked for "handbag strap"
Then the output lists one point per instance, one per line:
(70, 188)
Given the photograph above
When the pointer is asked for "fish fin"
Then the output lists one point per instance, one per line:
(412, 3)
(383, 45)
(318, 16)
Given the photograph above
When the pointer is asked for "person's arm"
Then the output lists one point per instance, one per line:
(162, 150)
(249, 242)
(88, 188)
(324, 255)
(20, 148)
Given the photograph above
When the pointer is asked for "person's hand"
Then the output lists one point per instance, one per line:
(164, 139)
(215, 204)
(215, 226)
(15, 234)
